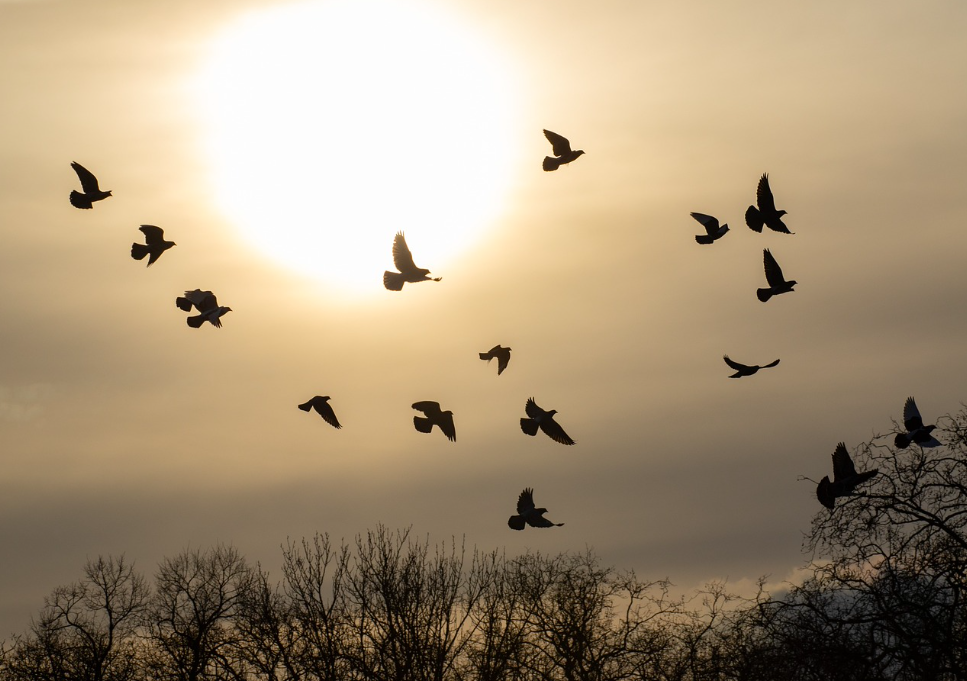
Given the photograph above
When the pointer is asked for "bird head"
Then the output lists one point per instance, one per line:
(108, 193)
(578, 153)
(552, 412)
(781, 213)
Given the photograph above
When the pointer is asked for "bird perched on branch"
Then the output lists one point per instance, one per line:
(845, 478)
(916, 431)
(766, 214)
(91, 192)
(777, 283)
(154, 244)
(712, 228)
(206, 303)
(408, 271)
(544, 420)
(527, 514)
(321, 404)
(501, 354)
(561, 149)
(744, 369)
(434, 416)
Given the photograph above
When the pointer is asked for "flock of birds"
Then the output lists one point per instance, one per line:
(763, 214)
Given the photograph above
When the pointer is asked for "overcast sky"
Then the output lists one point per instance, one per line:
(124, 431)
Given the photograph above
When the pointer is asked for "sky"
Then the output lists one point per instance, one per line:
(122, 430)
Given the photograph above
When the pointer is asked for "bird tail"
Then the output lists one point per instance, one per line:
(770, 364)
(486, 355)
(139, 251)
(393, 281)
(551, 163)
(753, 218)
(901, 441)
(196, 321)
(307, 406)
(79, 200)
(703, 238)
(516, 522)
(529, 426)
(424, 425)
(763, 294)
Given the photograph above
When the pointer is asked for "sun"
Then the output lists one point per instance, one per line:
(333, 124)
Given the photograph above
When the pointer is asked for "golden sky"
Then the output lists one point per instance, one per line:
(124, 431)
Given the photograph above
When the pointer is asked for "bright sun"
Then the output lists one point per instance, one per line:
(334, 124)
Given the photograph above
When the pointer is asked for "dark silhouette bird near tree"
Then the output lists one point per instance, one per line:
(206, 303)
(408, 271)
(712, 228)
(528, 514)
(745, 369)
(91, 192)
(766, 214)
(845, 478)
(544, 420)
(561, 149)
(321, 404)
(154, 244)
(916, 431)
(501, 354)
(434, 416)
(777, 283)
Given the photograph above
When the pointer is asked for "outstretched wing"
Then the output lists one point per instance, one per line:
(911, 415)
(554, 431)
(773, 271)
(763, 195)
(532, 409)
(428, 407)
(842, 464)
(525, 502)
(324, 409)
(402, 257)
(710, 224)
(735, 365)
(541, 521)
(446, 425)
(559, 144)
(88, 181)
(152, 235)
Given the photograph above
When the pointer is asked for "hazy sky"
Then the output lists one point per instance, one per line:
(123, 430)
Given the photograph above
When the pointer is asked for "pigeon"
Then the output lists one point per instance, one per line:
(711, 225)
(527, 514)
(321, 404)
(777, 284)
(845, 478)
(538, 418)
(916, 431)
(501, 354)
(562, 150)
(766, 214)
(154, 244)
(434, 416)
(91, 192)
(206, 303)
(745, 370)
(408, 271)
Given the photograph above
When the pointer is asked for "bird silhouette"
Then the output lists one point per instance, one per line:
(712, 228)
(206, 303)
(538, 418)
(845, 478)
(321, 404)
(561, 149)
(408, 271)
(777, 283)
(766, 214)
(744, 369)
(91, 192)
(434, 416)
(527, 514)
(154, 244)
(916, 431)
(501, 354)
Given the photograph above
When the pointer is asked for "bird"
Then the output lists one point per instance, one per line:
(408, 271)
(538, 418)
(777, 283)
(91, 192)
(527, 514)
(845, 478)
(766, 214)
(321, 404)
(206, 303)
(501, 354)
(711, 225)
(744, 369)
(916, 431)
(561, 149)
(434, 416)
(154, 244)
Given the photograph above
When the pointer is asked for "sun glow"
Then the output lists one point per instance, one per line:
(333, 124)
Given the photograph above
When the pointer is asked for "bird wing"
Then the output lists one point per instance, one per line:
(402, 257)
(559, 144)
(88, 181)
(763, 195)
(324, 409)
(710, 224)
(205, 301)
(541, 521)
(503, 359)
(773, 271)
(842, 464)
(525, 502)
(428, 407)
(152, 235)
(554, 431)
(532, 409)
(446, 425)
(911, 415)
(825, 494)
(735, 365)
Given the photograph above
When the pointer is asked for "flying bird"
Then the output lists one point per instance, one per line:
(766, 214)
(744, 369)
(845, 478)
(501, 354)
(434, 416)
(538, 418)
(321, 404)
(154, 244)
(916, 431)
(527, 514)
(561, 149)
(206, 303)
(408, 271)
(91, 192)
(712, 228)
(777, 283)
